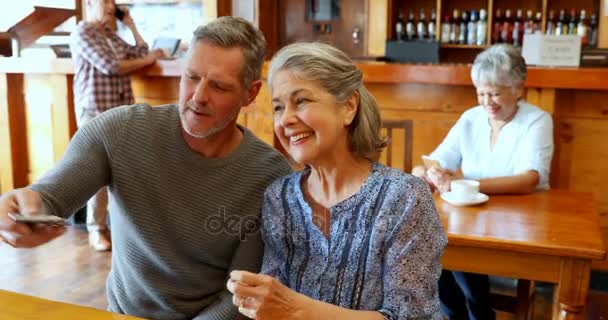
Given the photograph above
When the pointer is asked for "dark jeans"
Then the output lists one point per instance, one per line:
(465, 296)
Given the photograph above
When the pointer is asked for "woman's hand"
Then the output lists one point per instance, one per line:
(441, 178)
(263, 297)
(420, 171)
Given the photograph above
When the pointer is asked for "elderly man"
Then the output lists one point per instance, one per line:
(187, 184)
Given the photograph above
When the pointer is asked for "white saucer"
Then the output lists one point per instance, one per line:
(479, 199)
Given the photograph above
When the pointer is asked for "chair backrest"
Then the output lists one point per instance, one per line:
(392, 128)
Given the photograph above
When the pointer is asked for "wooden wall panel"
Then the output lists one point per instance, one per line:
(13, 137)
(39, 103)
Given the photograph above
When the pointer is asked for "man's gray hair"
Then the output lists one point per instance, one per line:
(232, 32)
(500, 65)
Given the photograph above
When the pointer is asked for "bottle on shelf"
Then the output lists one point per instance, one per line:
(529, 23)
(446, 29)
(507, 28)
(431, 26)
(482, 27)
(421, 25)
(455, 26)
(538, 21)
(497, 28)
(551, 24)
(573, 22)
(472, 29)
(400, 27)
(593, 31)
(410, 28)
(518, 28)
(581, 28)
(561, 26)
(464, 20)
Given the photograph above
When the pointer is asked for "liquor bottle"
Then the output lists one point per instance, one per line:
(455, 26)
(561, 27)
(593, 31)
(446, 29)
(410, 28)
(551, 24)
(421, 26)
(464, 20)
(581, 28)
(538, 20)
(573, 22)
(400, 27)
(482, 27)
(529, 24)
(507, 28)
(497, 29)
(472, 29)
(518, 28)
(431, 26)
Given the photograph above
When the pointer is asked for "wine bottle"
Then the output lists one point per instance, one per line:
(421, 26)
(400, 27)
(482, 28)
(472, 29)
(431, 26)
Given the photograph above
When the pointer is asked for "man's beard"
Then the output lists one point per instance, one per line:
(214, 130)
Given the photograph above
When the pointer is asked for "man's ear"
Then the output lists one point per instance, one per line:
(351, 106)
(253, 90)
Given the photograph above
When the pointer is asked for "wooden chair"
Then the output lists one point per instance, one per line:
(522, 305)
(391, 127)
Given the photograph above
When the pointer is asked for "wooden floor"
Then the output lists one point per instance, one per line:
(68, 270)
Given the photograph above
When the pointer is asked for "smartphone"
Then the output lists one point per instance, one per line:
(119, 13)
(43, 219)
(430, 163)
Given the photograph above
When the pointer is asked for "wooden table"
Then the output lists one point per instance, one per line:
(548, 236)
(15, 306)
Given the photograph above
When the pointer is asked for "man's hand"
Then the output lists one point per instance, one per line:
(20, 235)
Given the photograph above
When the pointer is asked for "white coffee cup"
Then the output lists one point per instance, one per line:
(464, 190)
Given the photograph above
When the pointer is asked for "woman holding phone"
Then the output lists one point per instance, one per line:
(102, 63)
(504, 143)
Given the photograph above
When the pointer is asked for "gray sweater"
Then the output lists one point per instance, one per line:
(180, 222)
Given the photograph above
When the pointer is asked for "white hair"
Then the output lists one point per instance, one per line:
(500, 65)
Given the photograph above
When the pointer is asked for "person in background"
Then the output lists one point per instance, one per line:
(187, 184)
(347, 237)
(504, 143)
(102, 63)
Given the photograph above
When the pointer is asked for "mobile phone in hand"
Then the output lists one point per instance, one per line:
(39, 219)
(119, 13)
(430, 163)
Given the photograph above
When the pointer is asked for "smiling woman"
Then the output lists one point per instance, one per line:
(347, 237)
(506, 144)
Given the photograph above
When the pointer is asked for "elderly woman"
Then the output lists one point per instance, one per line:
(347, 237)
(504, 143)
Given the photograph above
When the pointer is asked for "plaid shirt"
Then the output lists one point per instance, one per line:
(97, 84)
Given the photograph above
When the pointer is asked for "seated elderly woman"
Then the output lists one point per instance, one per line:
(504, 143)
(347, 237)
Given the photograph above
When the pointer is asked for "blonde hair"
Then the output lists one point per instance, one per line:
(335, 72)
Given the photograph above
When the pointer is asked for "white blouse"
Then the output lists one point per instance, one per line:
(525, 143)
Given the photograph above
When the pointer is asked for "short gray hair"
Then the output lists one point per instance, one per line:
(501, 65)
(335, 72)
(231, 32)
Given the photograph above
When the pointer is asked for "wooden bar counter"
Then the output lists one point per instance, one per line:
(37, 118)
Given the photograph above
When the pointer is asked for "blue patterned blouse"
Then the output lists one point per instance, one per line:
(382, 252)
